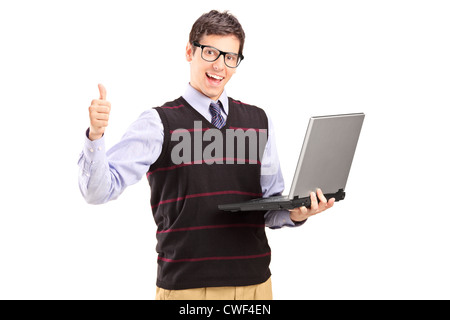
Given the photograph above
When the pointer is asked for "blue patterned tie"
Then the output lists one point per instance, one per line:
(217, 119)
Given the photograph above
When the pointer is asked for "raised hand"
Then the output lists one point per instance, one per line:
(99, 114)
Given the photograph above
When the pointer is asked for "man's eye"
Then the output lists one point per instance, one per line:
(210, 52)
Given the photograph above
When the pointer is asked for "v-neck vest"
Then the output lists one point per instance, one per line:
(199, 245)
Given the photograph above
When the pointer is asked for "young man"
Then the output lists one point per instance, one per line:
(203, 253)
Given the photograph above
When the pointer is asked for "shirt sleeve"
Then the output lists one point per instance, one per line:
(272, 183)
(103, 176)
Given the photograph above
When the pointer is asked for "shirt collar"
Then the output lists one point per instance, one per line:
(201, 103)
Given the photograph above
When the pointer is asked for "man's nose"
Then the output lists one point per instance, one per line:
(219, 64)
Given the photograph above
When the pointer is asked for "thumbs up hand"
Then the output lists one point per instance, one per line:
(99, 114)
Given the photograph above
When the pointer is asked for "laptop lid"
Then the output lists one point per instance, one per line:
(327, 154)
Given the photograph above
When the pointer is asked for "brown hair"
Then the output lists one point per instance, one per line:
(217, 23)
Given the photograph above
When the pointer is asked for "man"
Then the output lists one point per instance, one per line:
(203, 253)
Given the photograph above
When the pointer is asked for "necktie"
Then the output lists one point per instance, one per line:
(217, 119)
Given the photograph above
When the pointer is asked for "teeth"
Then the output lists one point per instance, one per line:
(214, 76)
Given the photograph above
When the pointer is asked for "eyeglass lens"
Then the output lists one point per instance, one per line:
(211, 54)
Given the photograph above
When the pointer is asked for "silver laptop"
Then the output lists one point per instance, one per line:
(324, 162)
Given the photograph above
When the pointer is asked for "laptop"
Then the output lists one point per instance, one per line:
(325, 160)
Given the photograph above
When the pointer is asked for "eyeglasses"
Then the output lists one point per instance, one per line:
(211, 54)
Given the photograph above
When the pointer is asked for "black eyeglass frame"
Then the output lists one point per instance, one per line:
(240, 56)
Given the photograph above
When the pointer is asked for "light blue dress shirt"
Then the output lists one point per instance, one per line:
(104, 175)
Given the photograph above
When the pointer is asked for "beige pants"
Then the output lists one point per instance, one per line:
(262, 291)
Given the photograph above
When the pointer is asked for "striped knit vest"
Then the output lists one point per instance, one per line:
(198, 245)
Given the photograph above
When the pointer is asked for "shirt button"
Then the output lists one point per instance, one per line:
(91, 150)
(99, 148)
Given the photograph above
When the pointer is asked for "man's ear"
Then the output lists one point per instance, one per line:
(189, 52)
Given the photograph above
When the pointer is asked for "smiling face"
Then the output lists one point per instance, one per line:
(210, 78)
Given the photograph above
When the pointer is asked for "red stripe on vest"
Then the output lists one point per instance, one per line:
(207, 194)
(237, 225)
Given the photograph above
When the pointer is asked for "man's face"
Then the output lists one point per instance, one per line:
(210, 78)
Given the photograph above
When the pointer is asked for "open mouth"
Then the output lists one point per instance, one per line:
(214, 77)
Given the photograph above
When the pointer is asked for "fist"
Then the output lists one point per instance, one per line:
(99, 115)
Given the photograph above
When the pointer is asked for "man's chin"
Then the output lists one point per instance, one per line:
(213, 94)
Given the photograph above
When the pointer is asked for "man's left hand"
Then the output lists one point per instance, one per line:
(317, 206)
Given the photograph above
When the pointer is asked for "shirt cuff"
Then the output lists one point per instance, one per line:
(276, 219)
(94, 151)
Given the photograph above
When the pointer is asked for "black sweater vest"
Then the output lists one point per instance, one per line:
(198, 245)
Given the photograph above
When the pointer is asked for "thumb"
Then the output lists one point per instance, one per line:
(102, 90)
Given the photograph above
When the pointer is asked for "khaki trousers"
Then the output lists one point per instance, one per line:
(262, 291)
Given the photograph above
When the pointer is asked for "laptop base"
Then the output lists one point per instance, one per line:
(277, 203)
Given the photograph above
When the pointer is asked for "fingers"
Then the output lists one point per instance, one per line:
(321, 196)
(320, 203)
(99, 102)
(299, 214)
(314, 203)
(303, 210)
(102, 90)
(331, 202)
(100, 108)
(102, 100)
(99, 114)
(303, 213)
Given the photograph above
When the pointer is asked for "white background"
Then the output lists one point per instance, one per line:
(389, 59)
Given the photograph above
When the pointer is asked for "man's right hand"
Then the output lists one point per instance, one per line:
(99, 115)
